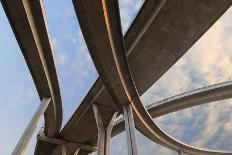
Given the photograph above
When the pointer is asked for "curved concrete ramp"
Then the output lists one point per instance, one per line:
(164, 42)
(28, 21)
(158, 37)
(182, 101)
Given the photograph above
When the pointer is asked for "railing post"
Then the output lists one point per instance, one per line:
(26, 137)
(130, 130)
(104, 134)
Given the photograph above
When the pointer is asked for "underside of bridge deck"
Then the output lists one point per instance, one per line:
(128, 65)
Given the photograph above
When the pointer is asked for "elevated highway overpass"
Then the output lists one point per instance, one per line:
(159, 36)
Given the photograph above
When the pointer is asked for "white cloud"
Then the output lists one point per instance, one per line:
(215, 119)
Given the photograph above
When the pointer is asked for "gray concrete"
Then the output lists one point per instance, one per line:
(110, 61)
(130, 130)
(160, 34)
(200, 23)
(180, 153)
(28, 133)
(104, 133)
(64, 150)
(30, 29)
(58, 143)
(109, 129)
(185, 100)
(103, 96)
(163, 31)
(101, 131)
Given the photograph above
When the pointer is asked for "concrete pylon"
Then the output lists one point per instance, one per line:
(104, 134)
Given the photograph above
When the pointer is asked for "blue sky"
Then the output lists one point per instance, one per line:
(207, 126)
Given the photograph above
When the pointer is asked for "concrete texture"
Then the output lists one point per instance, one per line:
(30, 29)
(106, 48)
(185, 100)
(160, 34)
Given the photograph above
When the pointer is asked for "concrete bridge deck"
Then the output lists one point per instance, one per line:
(159, 36)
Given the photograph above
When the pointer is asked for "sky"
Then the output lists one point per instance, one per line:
(205, 126)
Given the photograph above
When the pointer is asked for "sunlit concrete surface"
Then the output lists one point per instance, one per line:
(127, 65)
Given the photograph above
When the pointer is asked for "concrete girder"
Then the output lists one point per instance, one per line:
(100, 24)
(28, 21)
(98, 87)
(139, 31)
(63, 145)
(185, 100)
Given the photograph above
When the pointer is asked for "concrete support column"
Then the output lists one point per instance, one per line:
(104, 134)
(63, 149)
(130, 130)
(76, 152)
(180, 152)
(26, 137)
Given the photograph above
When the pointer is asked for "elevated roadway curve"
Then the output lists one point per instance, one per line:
(106, 46)
(28, 22)
(185, 100)
(160, 34)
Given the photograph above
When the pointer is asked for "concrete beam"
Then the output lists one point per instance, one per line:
(44, 138)
(148, 46)
(112, 66)
(143, 17)
(185, 100)
(28, 22)
(133, 32)
(163, 31)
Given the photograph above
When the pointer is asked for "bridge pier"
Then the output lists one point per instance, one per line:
(130, 130)
(64, 145)
(28, 133)
(63, 149)
(104, 134)
(76, 152)
(180, 152)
